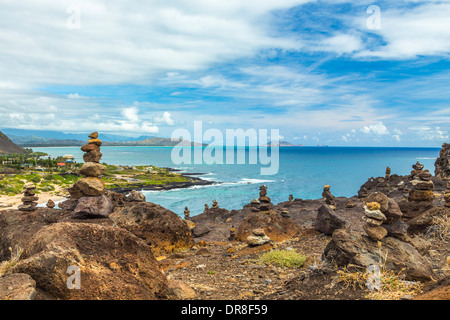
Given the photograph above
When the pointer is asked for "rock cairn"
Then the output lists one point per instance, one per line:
(90, 190)
(232, 233)
(387, 173)
(329, 198)
(29, 200)
(264, 200)
(374, 218)
(254, 205)
(447, 195)
(257, 238)
(206, 208)
(291, 198)
(215, 204)
(422, 185)
(383, 212)
(442, 164)
(418, 167)
(363, 193)
(285, 214)
(187, 213)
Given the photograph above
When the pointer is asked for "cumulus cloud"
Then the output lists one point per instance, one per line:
(378, 129)
(165, 118)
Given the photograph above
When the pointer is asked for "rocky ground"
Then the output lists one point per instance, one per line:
(143, 251)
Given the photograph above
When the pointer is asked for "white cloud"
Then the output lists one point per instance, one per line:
(378, 129)
(132, 42)
(131, 114)
(165, 118)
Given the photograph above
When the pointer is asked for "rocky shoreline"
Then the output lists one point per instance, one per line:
(168, 186)
(128, 248)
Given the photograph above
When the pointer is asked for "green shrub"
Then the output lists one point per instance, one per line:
(283, 258)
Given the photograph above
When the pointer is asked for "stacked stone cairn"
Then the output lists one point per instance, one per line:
(257, 238)
(422, 184)
(291, 198)
(329, 198)
(215, 204)
(29, 200)
(232, 233)
(206, 208)
(90, 190)
(187, 213)
(285, 214)
(254, 205)
(374, 218)
(388, 173)
(264, 200)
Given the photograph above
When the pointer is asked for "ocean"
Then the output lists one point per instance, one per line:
(303, 171)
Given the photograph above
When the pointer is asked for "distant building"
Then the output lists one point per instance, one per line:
(61, 164)
(69, 158)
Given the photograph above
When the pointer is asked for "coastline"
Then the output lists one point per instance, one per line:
(12, 202)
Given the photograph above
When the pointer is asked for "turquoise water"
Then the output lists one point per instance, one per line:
(303, 171)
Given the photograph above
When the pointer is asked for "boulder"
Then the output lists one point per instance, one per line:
(90, 147)
(396, 229)
(92, 156)
(421, 195)
(69, 205)
(17, 229)
(328, 221)
(92, 169)
(275, 227)
(90, 186)
(93, 207)
(200, 230)
(411, 210)
(381, 198)
(375, 233)
(112, 263)
(442, 164)
(136, 196)
(425, 219)
(393, 211)
(253, 240)
(17, 286)
(159, 227)
(351, 247)
(179, 290)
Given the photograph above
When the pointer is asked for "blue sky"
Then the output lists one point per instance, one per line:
(322, 72)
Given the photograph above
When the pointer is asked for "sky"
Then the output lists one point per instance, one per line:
(330, 72)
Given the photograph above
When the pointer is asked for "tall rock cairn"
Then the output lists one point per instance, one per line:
(29, 200)
(442, 164)
(422, 185)
(89, 191)
(264, 199)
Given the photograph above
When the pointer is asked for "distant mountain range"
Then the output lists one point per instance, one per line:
(8, 147)
(36, 139)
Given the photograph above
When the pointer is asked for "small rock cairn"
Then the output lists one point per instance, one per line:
(254, 205)
(422, 184)
(329, 198)
(291, 198)
(257, 238)
(29, 200)
(206, 208)
(215, 204)
(264, 200)
(187, 213)
(388, 173)
(374, 218)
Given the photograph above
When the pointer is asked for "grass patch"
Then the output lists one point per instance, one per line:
(283, 258)
(6, 266)
(391, 285)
